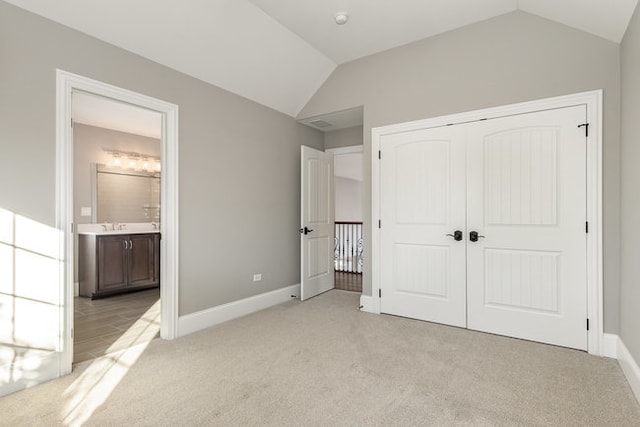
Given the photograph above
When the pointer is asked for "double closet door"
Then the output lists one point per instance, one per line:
(483, 226)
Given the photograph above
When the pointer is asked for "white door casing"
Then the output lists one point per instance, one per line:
(526, 193)
(422, 206)
(66, 83)
(591, 168)
(316, 223)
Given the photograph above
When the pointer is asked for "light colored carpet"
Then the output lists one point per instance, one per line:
(322, 362)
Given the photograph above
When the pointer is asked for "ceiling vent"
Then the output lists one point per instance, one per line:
(320, 123)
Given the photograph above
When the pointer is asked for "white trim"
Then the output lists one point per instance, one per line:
(66, 83)
(610, 346)
(23, 368)
(630, 368)
(593, 101)
(369, 304)
(352, 149)
(213, 316)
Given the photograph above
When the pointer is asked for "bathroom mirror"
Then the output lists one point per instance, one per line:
(124, 196)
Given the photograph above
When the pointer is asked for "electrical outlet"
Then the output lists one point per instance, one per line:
(257, 277)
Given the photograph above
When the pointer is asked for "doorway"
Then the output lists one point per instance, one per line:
(67, 84)
(117, 179)
(348, 248)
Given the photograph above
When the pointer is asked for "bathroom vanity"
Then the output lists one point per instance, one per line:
(117, 261)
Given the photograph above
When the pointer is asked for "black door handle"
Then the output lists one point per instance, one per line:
(457, 235)
(305, 230)
(473, 236)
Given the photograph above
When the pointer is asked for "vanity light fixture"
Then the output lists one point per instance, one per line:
(116, 160)
(130, 160)
(133, 163)
(341, 18)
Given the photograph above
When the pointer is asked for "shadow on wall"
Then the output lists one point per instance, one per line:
(31, 300)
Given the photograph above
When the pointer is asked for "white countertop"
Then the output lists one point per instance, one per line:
(121, 228)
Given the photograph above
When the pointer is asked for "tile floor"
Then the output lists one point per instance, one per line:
(110, 324)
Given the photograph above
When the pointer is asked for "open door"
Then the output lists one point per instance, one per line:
(316, 224)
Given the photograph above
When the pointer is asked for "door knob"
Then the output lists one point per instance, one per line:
(305, 230)
(457, 235)
(473, 236)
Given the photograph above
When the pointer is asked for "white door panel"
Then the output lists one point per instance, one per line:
(317, 215)
(422, 200)
(526, 193)
(520, 183)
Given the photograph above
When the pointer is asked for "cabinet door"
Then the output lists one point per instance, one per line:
(142, 255)
(112, 262)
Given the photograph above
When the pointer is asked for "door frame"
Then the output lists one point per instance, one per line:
(66, 84)
(593, 101)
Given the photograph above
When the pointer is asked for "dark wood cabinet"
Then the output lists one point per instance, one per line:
(110, 264)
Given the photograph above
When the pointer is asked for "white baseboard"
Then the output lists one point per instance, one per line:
(369, 304)
(29, 371)
(206, 318)
(630, 368)
(610, 345)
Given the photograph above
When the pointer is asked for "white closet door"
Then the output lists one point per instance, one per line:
(526, 194)
(422, 200)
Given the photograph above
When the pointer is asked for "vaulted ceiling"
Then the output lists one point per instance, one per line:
(279, 52)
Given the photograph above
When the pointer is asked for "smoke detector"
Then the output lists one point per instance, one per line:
(341, 18)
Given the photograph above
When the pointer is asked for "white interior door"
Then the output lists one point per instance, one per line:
(316, 225)
(422, 177)
(526, 194)
(518, 183)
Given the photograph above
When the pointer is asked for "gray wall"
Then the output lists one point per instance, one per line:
(243, 156)
(348, 199)
(512, 58)
(343, 138)
(88, 145)
(630, 286)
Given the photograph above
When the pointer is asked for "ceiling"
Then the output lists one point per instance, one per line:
(106, 113)
(279, 52)
(375, 26)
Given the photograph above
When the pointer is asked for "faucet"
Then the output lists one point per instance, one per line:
(155, 226)
(104, 227)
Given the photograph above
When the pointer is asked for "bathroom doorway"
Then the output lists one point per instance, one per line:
(67, 85)
(117, 173)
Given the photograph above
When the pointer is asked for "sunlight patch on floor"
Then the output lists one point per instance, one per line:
(99, 380)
